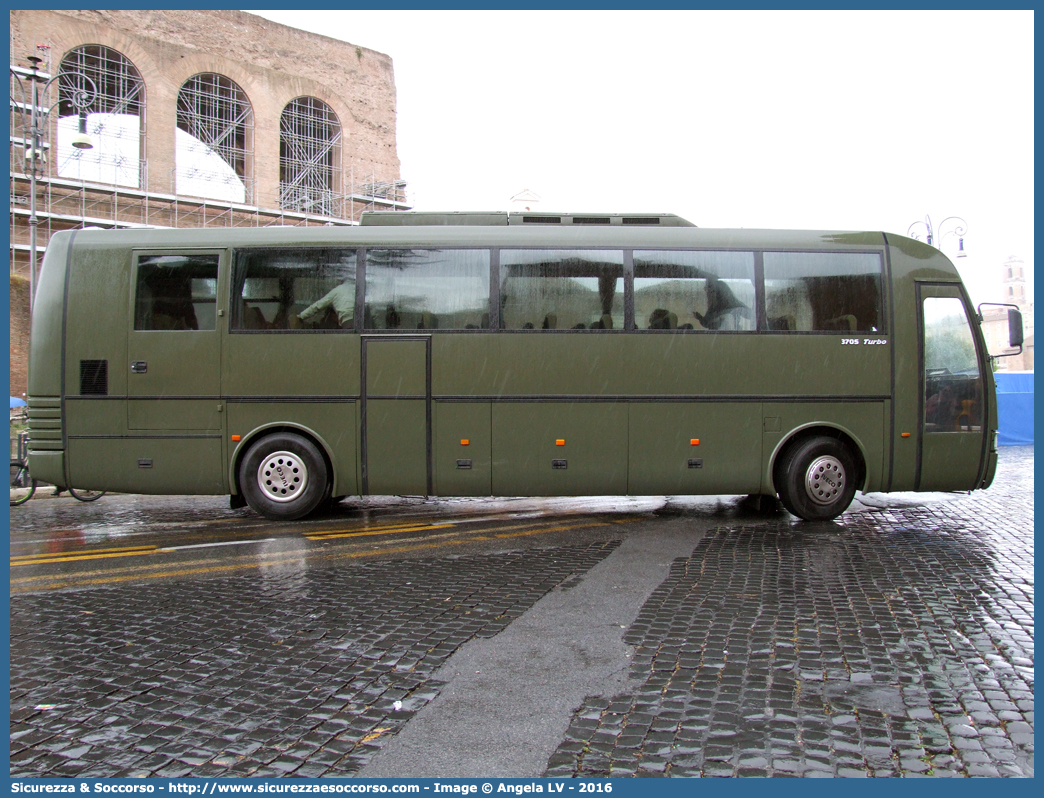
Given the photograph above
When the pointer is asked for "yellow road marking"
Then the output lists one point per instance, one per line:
(75, 558)
(243, 523)
(53, 554)
(84, 557)
(385, 531)
(67, 556)
(374, 529)
(440, 526)
(87, 554)
(50, 582)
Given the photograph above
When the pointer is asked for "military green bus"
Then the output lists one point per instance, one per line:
(479, 354)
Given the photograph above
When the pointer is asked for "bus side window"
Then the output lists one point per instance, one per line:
(176, 292)
(298, 289)
(693, 290)
(426, 289)
(545, 289)
(823, 291)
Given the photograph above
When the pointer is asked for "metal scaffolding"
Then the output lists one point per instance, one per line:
(309, 156)
(119, 87)
(115, 119)
(112, 188)
(215, 112)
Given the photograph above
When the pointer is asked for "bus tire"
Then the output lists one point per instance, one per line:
(816, 478)
(327, 501)
(283, 476)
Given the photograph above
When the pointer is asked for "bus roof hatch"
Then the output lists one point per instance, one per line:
(499, 219)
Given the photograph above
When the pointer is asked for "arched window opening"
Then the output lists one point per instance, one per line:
(214, 139)
(309, 157)
(114, 117)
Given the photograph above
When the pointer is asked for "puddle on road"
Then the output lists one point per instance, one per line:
(64, 524)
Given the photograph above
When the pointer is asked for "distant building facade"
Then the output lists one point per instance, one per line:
(995, 320)
(199, 118)
(196, 119)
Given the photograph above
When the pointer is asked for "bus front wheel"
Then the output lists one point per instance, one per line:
(816, 479)
(283, 476)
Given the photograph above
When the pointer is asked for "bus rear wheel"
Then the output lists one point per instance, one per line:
(283, 477)
(816, 478)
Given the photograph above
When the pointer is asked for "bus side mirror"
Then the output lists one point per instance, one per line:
(1014, 327)
(1015, 335)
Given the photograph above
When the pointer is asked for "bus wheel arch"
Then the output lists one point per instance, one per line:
(816, 472)
(286, 440)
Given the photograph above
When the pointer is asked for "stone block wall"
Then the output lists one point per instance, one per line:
(19, 335)
(272, 63)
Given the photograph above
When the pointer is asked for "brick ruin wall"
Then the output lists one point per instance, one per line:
(19, 335)
(272, 63)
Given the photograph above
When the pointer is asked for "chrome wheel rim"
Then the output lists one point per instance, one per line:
(282, 476)
(825, 480)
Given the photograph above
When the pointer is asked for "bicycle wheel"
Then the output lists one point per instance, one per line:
(86, 495)
(23, 486)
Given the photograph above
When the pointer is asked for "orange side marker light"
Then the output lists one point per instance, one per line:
(464, 442)
(906, 434)
(560, 442)
(694, 442)
(237, 437)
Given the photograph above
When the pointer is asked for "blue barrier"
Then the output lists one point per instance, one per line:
(1014, 407)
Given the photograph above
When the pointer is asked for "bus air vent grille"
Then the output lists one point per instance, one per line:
(94, 378)
(591, 220)
(542, 220)
(641, 220)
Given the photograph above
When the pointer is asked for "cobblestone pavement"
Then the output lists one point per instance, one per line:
(895, 642)
(228, 677)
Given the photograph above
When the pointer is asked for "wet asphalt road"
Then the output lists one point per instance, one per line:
(172, 636)
(59, 543)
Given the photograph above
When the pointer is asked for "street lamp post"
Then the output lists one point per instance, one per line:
(950, 226)
(81, 96)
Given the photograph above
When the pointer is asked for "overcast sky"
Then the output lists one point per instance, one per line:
(818, 120)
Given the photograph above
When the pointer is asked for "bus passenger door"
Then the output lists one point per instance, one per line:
(953, 413)
(396, 415)
(174, 404)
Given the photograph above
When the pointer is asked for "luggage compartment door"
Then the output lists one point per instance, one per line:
(396, 415)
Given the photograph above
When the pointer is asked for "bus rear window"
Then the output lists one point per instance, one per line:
(543, 289)
(692, 290)
(299, 289)
(176, 292)
(823, 291)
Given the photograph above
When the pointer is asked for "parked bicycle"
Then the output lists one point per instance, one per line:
(23, 486)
